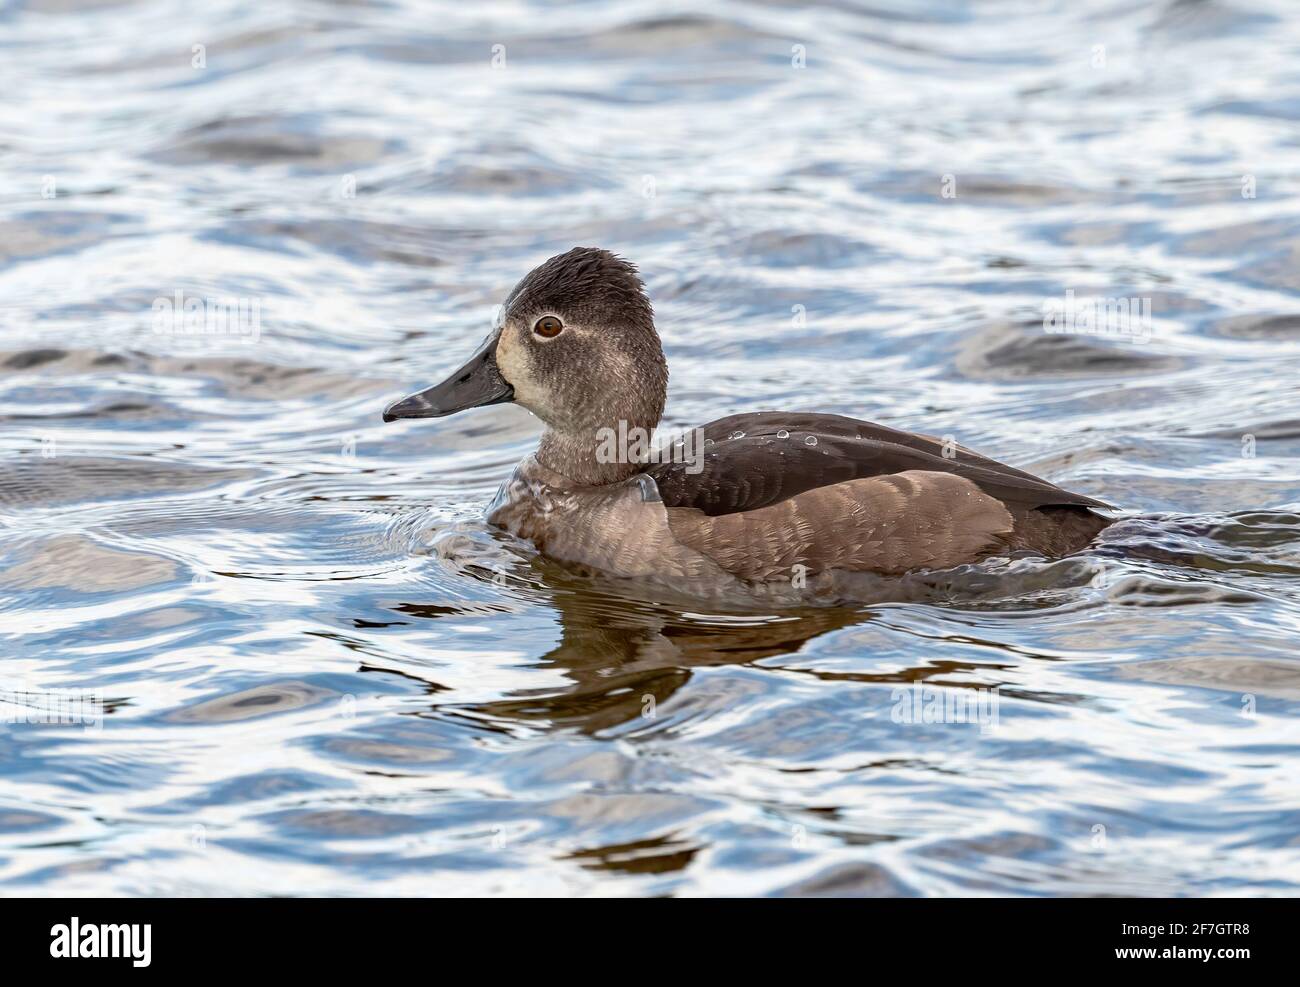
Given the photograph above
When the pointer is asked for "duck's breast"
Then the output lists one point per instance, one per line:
(621, 529)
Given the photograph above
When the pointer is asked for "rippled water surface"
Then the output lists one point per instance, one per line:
(321, 672)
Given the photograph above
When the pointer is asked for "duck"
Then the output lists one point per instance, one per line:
(797, 501)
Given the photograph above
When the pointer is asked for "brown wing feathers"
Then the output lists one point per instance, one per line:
(886, 524)
(756, 460)
(779, 490)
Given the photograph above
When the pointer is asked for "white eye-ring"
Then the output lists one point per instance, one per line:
(548, 327)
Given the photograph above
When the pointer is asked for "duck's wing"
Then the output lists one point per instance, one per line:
(756, 460)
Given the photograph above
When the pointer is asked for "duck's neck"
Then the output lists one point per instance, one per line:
(591, 457)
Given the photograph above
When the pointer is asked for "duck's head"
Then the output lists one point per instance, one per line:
(576, 345)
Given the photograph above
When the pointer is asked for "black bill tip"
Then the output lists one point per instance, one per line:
(477, 383)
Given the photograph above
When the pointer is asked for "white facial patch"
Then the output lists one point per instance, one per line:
(516, 367)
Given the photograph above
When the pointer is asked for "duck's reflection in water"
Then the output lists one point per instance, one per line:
(624, 655)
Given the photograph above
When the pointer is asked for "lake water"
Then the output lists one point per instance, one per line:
(313, 670)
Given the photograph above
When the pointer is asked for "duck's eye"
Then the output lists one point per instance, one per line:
(548, 327)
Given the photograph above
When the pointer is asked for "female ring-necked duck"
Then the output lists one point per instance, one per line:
(774, 497)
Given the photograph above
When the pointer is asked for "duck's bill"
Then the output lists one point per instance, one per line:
(477, 383)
